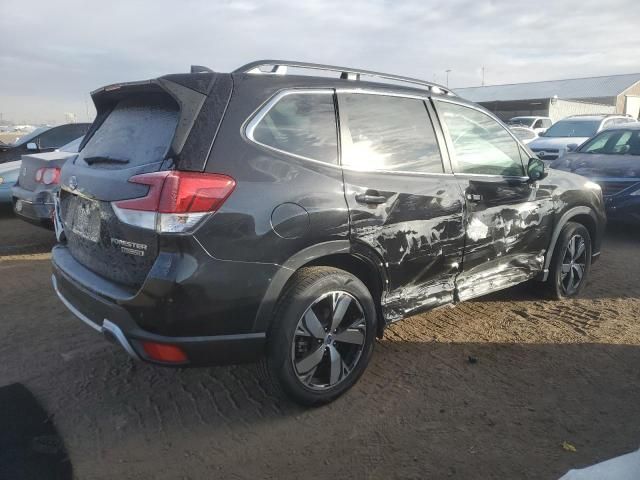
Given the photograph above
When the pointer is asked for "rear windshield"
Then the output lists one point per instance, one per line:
(138, 131)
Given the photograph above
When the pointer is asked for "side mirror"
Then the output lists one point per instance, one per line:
(572, 147)
(32, 146)
(536, 170)
(541, 134)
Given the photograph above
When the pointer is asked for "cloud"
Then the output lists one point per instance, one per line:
(53, 53)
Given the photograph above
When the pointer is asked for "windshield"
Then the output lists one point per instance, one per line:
(614, 142)
(30, 136)
(72, 146)
(573, 128)
(526, 121)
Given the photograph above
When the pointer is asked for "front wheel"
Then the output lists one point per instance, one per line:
(571, 262)
(322, 335)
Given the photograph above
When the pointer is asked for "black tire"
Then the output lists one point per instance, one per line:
(558, 280)
(315, 289)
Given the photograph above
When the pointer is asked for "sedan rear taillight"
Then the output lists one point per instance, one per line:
(176, 201)
(48, 175)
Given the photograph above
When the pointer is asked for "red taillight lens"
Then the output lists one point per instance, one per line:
(181, 192)
(162, 352)
(176, 201)
(48, 175)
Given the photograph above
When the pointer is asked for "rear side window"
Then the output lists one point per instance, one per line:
(387, 133)
(302, 124)
(480, 144)
(139, 130)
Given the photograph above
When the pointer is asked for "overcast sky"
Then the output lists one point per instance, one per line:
(52, 53)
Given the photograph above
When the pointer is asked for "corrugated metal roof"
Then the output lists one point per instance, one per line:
(574, 88)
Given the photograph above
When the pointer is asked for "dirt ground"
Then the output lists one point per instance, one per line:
(546, 372)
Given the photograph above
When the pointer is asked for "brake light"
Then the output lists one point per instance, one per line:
(176, 201)
(48, 175)
(163, 352)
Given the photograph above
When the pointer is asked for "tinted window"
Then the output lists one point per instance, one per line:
(303, 124)
(58, 136)
(388, 133)
(481, 145)
(538, 124)
(139, 129)
(573, 128)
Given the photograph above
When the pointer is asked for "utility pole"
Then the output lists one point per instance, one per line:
(447, 72)
(483, 75)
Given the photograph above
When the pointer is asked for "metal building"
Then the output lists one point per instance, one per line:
(560, 98)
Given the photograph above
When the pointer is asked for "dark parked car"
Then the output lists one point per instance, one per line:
(215, 218)
(43, 139)
(612, 160)
(38, 182)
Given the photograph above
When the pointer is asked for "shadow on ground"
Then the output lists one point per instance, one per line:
(422, 410)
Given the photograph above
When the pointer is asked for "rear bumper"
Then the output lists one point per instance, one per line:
(108, 313)
(35, 207)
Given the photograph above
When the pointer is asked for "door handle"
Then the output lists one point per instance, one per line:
(371, 198)
(474, 197)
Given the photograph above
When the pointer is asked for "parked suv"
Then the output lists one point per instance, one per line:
(571, 132)
(214, 218)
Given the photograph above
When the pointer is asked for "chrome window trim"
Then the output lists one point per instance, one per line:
(248, 127)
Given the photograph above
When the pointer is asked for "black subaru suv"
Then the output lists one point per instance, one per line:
(288, 216)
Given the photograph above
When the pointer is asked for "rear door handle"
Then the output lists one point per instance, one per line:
(370, 198)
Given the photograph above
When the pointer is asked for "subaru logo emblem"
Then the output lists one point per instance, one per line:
(542, 154)
(73, 182)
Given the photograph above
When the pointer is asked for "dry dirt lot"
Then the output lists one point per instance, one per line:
(546, 372)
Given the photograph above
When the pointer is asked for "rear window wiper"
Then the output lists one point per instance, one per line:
(98, 159)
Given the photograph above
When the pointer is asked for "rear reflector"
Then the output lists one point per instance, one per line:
(176, 201)
(162, 352)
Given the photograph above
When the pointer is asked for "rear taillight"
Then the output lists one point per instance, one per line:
(48, 175)
(176, 201)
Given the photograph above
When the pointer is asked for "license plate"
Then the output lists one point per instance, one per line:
(85, 220)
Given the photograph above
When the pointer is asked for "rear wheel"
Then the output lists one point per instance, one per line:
(322, 335)
(571, 262)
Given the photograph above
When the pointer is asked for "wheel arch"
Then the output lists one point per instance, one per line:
(364, 265)
(583, 215)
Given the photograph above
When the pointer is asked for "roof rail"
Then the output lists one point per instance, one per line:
(279, 67)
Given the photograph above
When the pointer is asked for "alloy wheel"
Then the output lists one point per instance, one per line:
(329, 340)
(573, 264)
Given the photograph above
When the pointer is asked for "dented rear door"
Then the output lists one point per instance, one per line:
(508, 219)
(404, 204)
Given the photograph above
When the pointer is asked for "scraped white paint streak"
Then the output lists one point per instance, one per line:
(477, 230)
